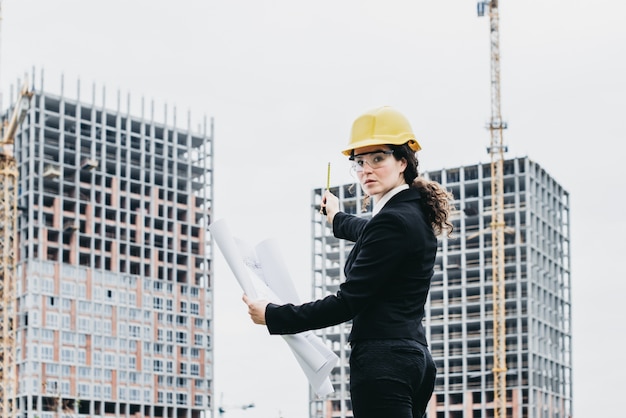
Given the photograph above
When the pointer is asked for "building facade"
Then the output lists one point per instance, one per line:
(459, 311)
(114, 279)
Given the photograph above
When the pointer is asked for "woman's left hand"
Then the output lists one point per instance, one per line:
(256, 309)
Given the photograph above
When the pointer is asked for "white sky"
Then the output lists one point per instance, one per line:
(284, 80)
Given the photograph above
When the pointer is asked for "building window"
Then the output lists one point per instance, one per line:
(134, 394)
(67, 355)
(85, 324)
(47, 335)
(195, 369)
(84, 390)
(47, 285)
(51, 386)
(84, 306)
(52, 369)
(107, 327)
(97, 358)
(68, 289)
(134, 313)
(47, 352)
(66, 321)
(84, 372)
(134, 331)
(195, 308)
(110, 360)
(52, 319)
(82, 357)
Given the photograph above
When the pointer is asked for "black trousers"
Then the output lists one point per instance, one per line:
(391, 378)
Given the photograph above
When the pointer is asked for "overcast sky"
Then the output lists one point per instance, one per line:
(283, 81)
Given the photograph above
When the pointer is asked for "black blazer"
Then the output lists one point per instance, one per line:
(388, 275)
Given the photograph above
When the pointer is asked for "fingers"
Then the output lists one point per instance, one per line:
(325, 201)
(256, 309)
(248, 302)
(329, 206)
(323, 204)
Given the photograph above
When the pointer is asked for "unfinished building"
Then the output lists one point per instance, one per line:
(459, 311)
(114, 283)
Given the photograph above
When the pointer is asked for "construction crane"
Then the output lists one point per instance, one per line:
(8, 252)
(497, 150)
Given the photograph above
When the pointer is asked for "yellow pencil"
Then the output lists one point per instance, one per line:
(328, 178)
(327, 186)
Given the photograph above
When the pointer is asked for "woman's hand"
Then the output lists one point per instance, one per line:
(256, 309)
(330, 202)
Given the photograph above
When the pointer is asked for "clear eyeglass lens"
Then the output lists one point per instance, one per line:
(374, 160)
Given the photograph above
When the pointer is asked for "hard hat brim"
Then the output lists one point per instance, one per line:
(412, 143)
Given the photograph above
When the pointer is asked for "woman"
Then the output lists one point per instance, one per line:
(388, 272)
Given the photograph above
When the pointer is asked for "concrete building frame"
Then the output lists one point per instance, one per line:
(115, 268)
(459, 314)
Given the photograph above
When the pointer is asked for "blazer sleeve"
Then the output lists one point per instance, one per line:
(382, 248)
(348, 227)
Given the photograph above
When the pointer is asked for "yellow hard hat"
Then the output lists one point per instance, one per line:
(383, 125)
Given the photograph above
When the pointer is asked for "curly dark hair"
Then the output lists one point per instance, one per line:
(436, 201)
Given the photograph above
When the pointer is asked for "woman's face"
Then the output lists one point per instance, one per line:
(377, 170)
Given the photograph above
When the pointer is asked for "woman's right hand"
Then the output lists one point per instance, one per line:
(330, 202)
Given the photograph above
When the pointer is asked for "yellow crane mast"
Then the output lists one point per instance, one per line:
(496, 150)
(8, 253)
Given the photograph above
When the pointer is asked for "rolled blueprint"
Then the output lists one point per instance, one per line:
(262, 273)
